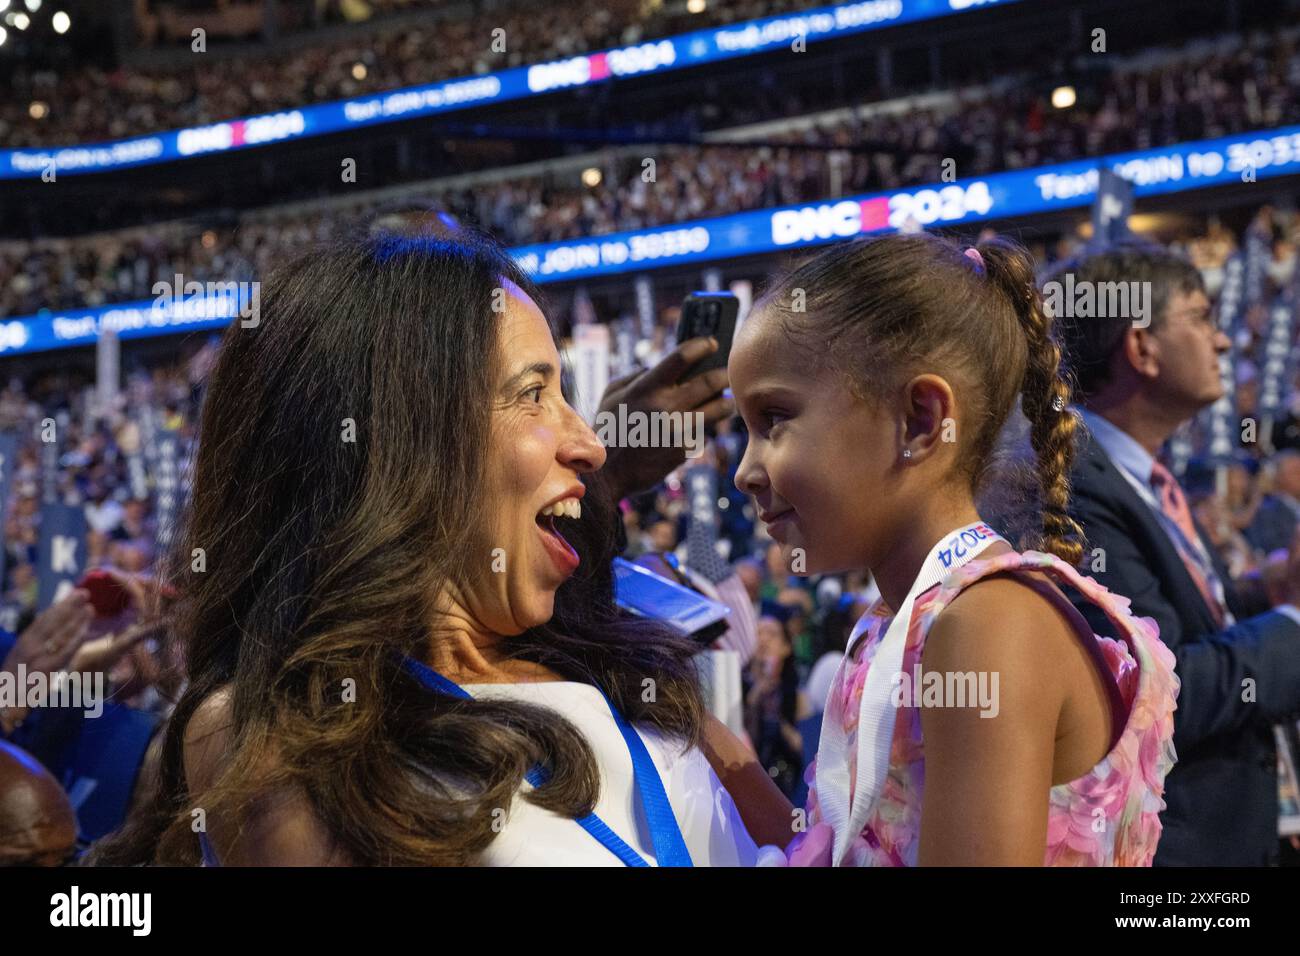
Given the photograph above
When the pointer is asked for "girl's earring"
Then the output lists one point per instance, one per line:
(907, 453)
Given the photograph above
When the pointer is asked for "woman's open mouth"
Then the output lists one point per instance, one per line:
(562, 553)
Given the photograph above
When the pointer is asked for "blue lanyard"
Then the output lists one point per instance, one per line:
(665, 834)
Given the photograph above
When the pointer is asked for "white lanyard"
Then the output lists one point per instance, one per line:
(876, 713)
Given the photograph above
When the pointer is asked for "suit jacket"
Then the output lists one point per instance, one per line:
(1221, 796)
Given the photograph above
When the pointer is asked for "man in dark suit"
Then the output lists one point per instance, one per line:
(1138, 377)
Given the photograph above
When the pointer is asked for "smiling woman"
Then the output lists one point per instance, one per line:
(407, 608)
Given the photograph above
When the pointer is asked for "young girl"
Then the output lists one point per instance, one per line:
(976, 719)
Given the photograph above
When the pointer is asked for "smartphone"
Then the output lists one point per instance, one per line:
(107, 597)
(708, 314)
(640, 591)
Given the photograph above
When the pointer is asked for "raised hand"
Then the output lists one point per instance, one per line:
(49, 642)
(630, 470)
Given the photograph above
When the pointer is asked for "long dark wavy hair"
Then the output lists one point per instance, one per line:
(321, 558)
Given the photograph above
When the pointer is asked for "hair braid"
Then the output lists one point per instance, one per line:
(1044, 400)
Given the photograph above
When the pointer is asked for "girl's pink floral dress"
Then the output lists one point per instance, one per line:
(1108, 817)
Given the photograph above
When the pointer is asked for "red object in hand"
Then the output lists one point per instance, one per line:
(107, 596)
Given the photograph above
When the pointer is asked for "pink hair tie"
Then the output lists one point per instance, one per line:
(974, 255)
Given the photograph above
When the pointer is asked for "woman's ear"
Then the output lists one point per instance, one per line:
(928, 421)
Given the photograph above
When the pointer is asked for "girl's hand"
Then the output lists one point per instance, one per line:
(763, 808)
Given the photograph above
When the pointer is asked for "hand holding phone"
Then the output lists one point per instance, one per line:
(676, 384)
(708, 315)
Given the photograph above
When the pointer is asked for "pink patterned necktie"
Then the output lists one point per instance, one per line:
(1174, 505)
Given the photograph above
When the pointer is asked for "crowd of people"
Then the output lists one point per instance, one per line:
(94, 448)
(74, 450)
(1244, 86)
(168, 22)
(91, 104)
